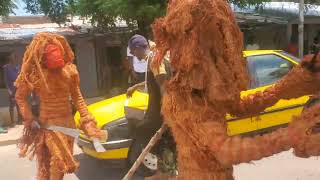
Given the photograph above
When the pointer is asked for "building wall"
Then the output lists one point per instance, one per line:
(86, 64)
(103, 62)
(270, 36)
(311, 30)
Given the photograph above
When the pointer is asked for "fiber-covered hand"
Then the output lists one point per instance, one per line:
(89, 127)
(305, 133)
(311, 62)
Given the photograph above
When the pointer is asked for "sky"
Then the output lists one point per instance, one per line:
(20, 11)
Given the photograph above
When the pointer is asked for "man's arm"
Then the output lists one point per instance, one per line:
(132, 89)
(161, 75)
(212, 136)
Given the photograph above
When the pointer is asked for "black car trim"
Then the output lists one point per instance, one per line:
(267, 112)
(117, 122)
(111, 145)
(263, 131)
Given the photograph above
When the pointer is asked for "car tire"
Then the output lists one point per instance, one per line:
(134, 152)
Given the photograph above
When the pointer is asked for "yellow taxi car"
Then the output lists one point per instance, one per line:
(265, 68)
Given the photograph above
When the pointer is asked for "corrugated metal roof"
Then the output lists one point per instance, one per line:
(25, 33)
(8, 26)
(285, 10)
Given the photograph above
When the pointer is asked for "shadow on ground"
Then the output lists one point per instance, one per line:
(94, 169)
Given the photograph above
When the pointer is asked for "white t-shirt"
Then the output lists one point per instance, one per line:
(138, 66)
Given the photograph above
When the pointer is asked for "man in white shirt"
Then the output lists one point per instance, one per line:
(137, 68)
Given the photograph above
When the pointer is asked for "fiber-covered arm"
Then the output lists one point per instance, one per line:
(22, 93)
(298, 82)
(234, 150)
(88, 123)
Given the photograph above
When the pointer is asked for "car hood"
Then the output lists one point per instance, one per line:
(106, 111)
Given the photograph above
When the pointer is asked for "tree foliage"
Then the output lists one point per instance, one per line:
(56, 10)
(106, 13)
(6, 7)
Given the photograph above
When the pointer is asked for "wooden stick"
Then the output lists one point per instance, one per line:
(156, 137)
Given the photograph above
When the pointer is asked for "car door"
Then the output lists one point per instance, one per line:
(237, 125)
(266, 70)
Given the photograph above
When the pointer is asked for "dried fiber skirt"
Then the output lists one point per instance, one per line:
(54, 153)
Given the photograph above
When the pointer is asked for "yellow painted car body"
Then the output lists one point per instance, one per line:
(280, 114)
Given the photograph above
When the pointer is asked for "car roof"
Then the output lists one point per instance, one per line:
(259, 52)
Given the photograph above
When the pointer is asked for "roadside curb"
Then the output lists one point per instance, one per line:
(8, 142)
(12, 137)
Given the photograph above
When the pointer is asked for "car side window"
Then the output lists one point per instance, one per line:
(267, 69)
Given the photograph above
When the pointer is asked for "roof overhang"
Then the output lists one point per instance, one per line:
(272, 12)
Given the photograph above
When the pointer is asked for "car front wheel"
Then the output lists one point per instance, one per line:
(149, 165)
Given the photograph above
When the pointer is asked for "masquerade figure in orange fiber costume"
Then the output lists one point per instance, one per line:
(48, 71)
(205, 45)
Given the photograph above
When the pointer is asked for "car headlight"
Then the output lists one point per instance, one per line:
(117, 130)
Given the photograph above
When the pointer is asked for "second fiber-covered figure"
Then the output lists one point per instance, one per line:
(205, 45)
(47, 70)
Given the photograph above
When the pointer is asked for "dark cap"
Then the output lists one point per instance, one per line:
(138, 41)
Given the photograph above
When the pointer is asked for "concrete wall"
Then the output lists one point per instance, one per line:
(270, 36)
(86, 63)
(312, 27)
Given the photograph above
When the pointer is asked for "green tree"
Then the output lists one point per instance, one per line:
(6, 7)
(56, 10)
(105, 14)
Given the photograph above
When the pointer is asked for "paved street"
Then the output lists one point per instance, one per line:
(14, 168)
(283, 166)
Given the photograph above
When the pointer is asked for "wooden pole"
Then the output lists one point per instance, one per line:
(156, 137)
(301, 28)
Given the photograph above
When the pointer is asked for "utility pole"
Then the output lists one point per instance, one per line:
(301, 27)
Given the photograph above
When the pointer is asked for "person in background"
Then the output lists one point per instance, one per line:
(11, 71)
(153, 119)
(315, 46)
(137, 68)
(293, 46)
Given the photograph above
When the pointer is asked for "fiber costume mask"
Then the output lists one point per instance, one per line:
(48, 71)
(53, 57)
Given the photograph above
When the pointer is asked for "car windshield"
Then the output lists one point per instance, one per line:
(290, 56)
